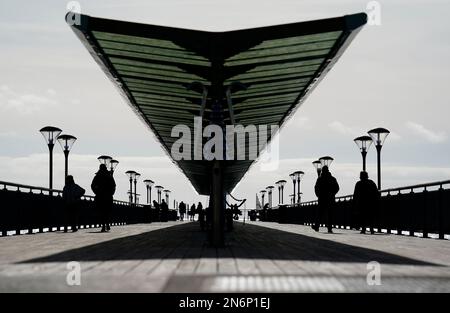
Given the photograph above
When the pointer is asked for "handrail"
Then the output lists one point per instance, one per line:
(389, 190)
(57, 191)
(433, 184)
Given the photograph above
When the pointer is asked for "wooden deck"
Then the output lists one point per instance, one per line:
(261, 257)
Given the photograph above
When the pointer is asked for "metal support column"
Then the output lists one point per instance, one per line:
(218, 205)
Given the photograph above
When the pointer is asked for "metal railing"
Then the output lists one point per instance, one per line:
(29, 209)
(421, 208)
(47, 191)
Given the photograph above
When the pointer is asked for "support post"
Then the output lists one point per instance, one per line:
(218, 205)
(66, 164)
(50, 185)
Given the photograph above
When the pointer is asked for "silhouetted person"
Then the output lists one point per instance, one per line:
(201, 218)
(157, 210)
(164, 211)
(182, 209)
(72, 194)
(104, 187)
(192, 212)
(199, 207)
(326, 189)
(366, 200)
(236, 211)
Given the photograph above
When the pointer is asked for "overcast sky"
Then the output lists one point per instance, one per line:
(395, 75)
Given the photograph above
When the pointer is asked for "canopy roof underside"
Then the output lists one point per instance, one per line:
(154, 67)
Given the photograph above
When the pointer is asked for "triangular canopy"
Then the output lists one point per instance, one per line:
(154, 68)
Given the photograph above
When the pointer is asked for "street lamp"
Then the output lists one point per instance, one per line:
(262, 192)
(66, 142)
(318, 166)
(298, 177)
(291, 197)
(158, 189)
(363, 143)
(105, 159)
(269, 193)
(280, 185)
(112, 165)
(167, 193)
(131, 175)
(50, 134)
(136, 177)
(294, 181)
(325, 161)
(378, 136)
(149, 183)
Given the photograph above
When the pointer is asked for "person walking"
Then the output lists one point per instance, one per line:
(72, 194)
(157, 211)
(182, 210)
(326, 189)
(192, 212)
(104, 187)
(164, 211)
(366, 199)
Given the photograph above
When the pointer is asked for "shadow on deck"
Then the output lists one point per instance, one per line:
(246, 241)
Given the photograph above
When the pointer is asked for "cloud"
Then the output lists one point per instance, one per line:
(343, 129)
(425, 133)
(26, 103)
(8, 134)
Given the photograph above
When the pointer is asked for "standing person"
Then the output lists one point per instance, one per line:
(164, 211)
(192, 212)
(326, 189)
(72, 194)
(104, 187)
(366, 198)
(182, 209)
(157, 210)
(199, 207)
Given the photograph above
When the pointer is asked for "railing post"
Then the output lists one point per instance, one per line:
(389, 215)
(424, 214)
(411, 216)
(441, 212)
(399, 213)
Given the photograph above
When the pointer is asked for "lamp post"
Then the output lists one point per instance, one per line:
(378, 136)
(363, 143)
(280, 185)
(292, 199)
(131, 175)
(112, 166)
(298, 177)
(263, 193)
(269, 193)
(136, 177)
(158, 189)
(148, 184)
(318, 166)
(294, 181)
(277, 183)
(325, 161)
(66, 142)
(105, 159)
(167, 193)
(50, 134)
